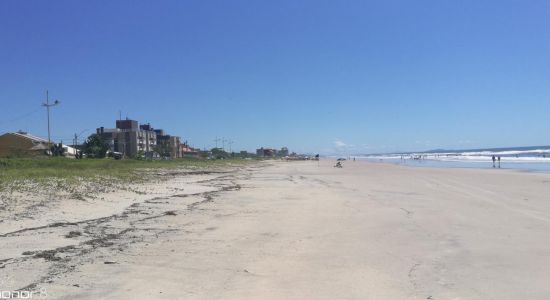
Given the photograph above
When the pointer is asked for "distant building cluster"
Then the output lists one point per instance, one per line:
(128, 139)
(283, 153)
(131, 139)
(270, 152)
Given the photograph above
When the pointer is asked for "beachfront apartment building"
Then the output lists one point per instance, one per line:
(133, 140)
(130, 139)
(175, 143)
(168, 144)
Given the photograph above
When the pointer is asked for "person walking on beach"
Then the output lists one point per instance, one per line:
(499, 162)
(494, 166)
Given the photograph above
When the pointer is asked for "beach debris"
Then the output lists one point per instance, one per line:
(48, 255)
(73, 234)
(408, 212)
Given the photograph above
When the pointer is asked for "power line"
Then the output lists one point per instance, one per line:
(21, 116)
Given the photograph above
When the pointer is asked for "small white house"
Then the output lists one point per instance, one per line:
(69, 151)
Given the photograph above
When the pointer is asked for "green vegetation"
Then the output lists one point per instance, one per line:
(95, 146)
(219, 153)
(15, 169)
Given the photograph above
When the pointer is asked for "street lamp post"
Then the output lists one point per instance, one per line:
(47, 104)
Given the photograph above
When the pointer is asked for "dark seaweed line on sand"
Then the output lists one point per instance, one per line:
(60, 264)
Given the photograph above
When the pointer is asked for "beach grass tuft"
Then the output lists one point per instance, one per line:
(44, 169)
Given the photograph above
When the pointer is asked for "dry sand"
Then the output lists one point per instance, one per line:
(292, 230)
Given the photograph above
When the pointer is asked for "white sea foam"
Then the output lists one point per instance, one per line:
(490, 158)
(535, 155)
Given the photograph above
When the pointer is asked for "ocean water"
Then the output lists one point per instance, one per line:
(535, 159)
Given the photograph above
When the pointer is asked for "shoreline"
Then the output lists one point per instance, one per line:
(536, 167)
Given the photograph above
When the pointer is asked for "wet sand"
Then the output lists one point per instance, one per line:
(294, 230)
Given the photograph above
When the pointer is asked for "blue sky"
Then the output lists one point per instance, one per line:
(316, 76)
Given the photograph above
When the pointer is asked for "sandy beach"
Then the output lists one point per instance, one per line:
(288, 230)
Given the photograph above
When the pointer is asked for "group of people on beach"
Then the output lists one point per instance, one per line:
(494, 160)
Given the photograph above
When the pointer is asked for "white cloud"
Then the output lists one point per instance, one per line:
(339, 144)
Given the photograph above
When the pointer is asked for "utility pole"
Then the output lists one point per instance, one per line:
(77, 136)
(230, 142)
(48, 105)
(223, 143)
(217, 140)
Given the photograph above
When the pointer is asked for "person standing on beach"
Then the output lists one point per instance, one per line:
(494, 161)
(499, 162)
